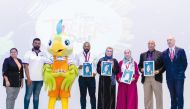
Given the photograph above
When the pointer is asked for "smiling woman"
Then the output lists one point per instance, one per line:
(12, 77)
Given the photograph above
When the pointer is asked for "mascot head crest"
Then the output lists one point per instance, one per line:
(61, 44)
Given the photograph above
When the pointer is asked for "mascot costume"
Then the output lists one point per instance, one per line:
(61, 73)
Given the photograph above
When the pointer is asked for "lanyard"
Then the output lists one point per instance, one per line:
(127, 66)
(86, 57)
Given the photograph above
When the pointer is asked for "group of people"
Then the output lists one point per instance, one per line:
(172, 60)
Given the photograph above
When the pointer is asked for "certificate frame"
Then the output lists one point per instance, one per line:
(127, 76)
(87, 69)
(149, 68)
(106, 68)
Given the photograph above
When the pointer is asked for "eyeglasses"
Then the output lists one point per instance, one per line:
(110, 51)
(13, 52)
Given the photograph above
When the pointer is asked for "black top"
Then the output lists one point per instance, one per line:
(159, 65)
(11, 70)
(115, 70)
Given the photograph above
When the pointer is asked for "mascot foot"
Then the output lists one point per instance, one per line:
(64, 102)
(52, 101)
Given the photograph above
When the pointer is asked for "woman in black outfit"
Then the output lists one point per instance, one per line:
(12, 77)
(107, 84)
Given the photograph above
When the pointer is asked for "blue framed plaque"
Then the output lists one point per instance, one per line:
(87, 69)
(149, 68)
(106, 68)
(127, 76)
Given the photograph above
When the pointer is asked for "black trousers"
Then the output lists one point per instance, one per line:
(90, 84)
(106, 93)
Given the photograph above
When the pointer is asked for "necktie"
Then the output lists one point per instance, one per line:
(171, 54)
(150, 56)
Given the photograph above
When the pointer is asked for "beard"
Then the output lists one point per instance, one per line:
(36, 47)
(86, 50)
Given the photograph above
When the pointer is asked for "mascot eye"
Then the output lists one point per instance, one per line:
(67, 42)
(50, 42)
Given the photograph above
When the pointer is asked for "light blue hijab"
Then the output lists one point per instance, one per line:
(128, 60)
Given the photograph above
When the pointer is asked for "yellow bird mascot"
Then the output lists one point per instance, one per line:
(61, 73)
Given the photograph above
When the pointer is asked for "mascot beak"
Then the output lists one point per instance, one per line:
(60, 50)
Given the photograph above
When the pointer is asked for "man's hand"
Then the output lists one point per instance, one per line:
(93, 74)
(80, 67)
(156, 72)
(142, 70)
(29, 82)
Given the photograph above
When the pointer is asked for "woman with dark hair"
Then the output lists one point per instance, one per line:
(12, 77)
(107, 84)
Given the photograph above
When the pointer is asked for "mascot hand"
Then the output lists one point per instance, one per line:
(49, 80)
(70, 76)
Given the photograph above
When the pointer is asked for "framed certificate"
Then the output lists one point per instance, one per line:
(87, 69)
(127, 76)
(149, 68)
(106, 68)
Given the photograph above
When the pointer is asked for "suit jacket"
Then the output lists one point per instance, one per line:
(158, 65)
(11, 70)
(175, 69)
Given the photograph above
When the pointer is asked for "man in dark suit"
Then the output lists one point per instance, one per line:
(153, 83)
(175, 63)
